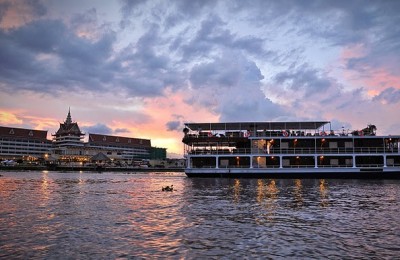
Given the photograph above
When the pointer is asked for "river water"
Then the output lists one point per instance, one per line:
(69, 215)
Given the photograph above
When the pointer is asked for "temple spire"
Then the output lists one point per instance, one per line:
(68, 120)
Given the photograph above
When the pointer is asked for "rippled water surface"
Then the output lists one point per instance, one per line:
(116, 215)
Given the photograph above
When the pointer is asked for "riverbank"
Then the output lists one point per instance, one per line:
(86, 168)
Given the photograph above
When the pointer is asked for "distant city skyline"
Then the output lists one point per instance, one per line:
(143, 68)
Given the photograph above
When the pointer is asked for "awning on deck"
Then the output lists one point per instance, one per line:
(256, 126)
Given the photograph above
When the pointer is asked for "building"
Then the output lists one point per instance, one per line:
(68, 145)
(19, 143)
(157, 153)
(121, 148)
(68, 135)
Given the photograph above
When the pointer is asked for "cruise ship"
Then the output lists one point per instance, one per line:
(289, 150)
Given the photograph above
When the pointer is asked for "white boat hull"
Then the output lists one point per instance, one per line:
(298, 173)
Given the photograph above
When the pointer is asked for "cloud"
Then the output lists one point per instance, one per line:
(230, 87)
(207, 60)
(129, 7)
(45, 53)
(195, 7)
(214, 36)
(98, 129)
(8, 118)
(17, 13)
(389, 96)
(121, 130)
(303, 80)
(173, 125)
(86, 25)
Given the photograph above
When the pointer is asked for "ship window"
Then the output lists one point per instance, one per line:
(284, 145)
(334, 162)
(333, 145)
(285, 162)
(224, 163)
(390, 162)
(348, 144)
(349, 161)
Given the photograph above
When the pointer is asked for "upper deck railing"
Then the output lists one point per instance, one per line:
(294, 151)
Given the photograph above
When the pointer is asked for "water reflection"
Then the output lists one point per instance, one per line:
(43, 197)
(260, 191)
(298, 198)
(236, 190)
(323, 188)
(267, 194)
(82, 215)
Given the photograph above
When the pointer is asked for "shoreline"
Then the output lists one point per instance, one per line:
(88, 169)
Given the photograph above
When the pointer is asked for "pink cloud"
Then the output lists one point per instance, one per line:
(162, 110)
(8, 118)
(373, 79)
(19, 13)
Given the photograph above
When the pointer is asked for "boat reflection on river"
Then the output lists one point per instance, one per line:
(115, 215)
(267, 190)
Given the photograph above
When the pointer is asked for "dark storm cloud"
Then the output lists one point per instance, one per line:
(42, 36)
(44, 54)
(98, 129)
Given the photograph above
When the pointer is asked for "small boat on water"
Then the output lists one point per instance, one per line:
(289, 150)
(168, 188)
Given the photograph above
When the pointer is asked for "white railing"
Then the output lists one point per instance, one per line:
(277, 151)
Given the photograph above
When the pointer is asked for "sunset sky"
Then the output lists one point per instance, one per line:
(143, 68)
